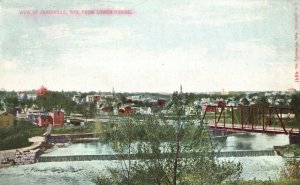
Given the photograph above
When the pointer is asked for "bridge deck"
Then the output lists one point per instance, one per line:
(255, 128)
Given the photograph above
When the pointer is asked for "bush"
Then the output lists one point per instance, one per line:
(17, 136)
(292, 170)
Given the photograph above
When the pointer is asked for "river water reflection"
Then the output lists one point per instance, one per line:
(245, 141)
(253, 141)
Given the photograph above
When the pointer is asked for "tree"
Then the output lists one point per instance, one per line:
(25, 104)
(11, 102)
(55, 100)
(88, 110)
(262, 101)
(245, 101)
(292, 170)
(295, 104)
(160, 150)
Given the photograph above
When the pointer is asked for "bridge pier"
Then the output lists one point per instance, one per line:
(294, 138)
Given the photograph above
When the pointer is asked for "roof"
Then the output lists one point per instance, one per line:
(42, 90)
(45, 116)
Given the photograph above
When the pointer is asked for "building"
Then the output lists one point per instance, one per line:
(161, 102)
(292, 91)
(44, 120)
(126, 110)
(31, 96)
(145, 110)
(92, 98)
(76, 98)
(6, 120)
(41, 91)
(22, 116)
(22, 95)
(56, 118)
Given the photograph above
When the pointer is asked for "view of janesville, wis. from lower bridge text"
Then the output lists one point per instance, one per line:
(150, 92)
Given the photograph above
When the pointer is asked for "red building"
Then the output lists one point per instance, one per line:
(41, 91)
(55, 118)
(58, 118)
(44, 120)
(161, 102)
(128, 110)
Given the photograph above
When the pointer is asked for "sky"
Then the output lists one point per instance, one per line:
(235, 45)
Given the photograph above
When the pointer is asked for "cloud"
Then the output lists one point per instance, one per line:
(56, 31)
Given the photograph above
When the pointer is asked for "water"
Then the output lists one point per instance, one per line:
(92, 148)
(260, 168)
(64, 173)
(83, 172)
(253, 141)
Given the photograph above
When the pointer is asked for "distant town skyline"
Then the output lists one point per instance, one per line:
(234, 45)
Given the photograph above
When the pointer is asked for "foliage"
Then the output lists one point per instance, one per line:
(295, 104)
(17, 136)
(11, 102)
(268, 182)
(27, 103)
(294, 149)
(262, 101)
(245, 101)
(55, 100)
(292, 170)
(88, 110)
(155, 150)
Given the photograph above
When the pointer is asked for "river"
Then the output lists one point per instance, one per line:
(83, 172)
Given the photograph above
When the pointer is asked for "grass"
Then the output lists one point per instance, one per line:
(17, 136)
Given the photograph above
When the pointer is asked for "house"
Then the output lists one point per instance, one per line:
(126, 110)
(56, 118)
(22, 95)
(161, 102)
(31, 96)
(44, 120)
(21, 116)
(145, 110)
(6, 120)
(76, 98)
(92, 98)
(206, 107)
(220, 103)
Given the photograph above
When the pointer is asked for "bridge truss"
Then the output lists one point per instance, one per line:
(275, 120)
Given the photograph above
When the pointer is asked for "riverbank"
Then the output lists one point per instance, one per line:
(7, 157)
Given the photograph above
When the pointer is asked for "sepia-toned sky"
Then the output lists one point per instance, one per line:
(245, 45)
